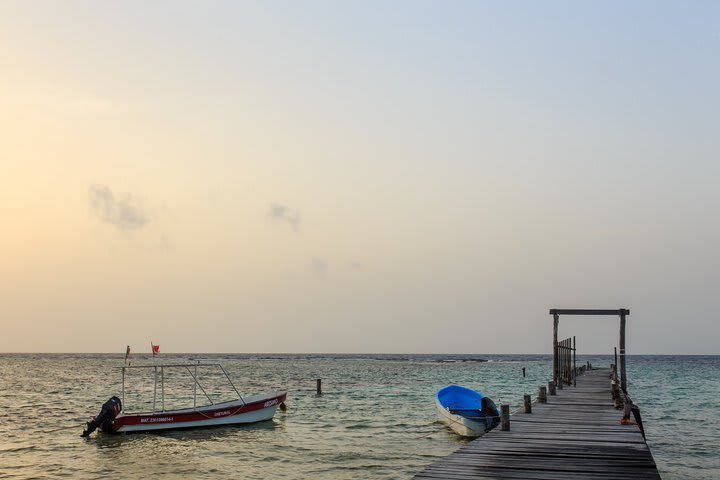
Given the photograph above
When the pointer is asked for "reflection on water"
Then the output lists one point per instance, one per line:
(376, 418)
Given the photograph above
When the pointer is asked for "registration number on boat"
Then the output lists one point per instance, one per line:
(156, 419)
(270, 403)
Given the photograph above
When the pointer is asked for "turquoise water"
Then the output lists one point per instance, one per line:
(376, 418)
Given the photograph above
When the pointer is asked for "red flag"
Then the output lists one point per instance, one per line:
(156, 349)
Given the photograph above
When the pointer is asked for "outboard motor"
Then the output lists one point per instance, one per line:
(490, 412)
(109, 411)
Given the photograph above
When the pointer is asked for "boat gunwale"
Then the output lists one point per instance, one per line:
(209, 407)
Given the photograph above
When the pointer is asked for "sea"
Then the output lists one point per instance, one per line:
(374, 420)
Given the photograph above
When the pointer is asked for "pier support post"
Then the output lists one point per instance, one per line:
(556, 320)
(574, 371)
(319, 386)
(528, 403)
(505, 418)
(542, 395)
(560, 383)
(622, 351)
(551, 388)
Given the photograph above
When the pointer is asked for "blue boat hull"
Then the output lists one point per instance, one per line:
(461, 409)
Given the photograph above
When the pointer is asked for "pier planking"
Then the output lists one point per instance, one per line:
(576, 434)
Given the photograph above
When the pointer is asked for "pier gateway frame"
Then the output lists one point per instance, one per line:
(622, 313)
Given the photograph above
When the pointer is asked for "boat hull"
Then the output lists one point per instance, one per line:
(463, 426)
(252, 410)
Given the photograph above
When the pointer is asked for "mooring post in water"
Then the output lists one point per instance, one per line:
(551, 388)
(505, 417)
(319, 386)
(523, 372)
(542, 395)
(528, 403)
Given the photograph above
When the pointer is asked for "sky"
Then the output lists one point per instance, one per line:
(412, 177)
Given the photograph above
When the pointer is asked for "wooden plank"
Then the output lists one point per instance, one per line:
(577, 434)
(584, 311)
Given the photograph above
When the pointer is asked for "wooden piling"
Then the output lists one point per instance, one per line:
(551, 390)
(623, 377)
(505, 417)
(556, 320)
(319, 386)
(574, 360)
(542, 395)
(523, 372)
(528, 403)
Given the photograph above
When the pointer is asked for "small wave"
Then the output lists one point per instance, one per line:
(15, 448)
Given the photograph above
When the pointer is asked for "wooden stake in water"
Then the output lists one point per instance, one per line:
(319, 386)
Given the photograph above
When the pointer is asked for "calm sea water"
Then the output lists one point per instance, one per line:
(376, 418)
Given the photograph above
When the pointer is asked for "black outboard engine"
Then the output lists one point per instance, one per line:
(490, 412)
(109, 411)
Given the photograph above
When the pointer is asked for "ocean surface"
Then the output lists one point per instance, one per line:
(375, 420)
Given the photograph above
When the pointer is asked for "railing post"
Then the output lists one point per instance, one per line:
(574, 350)
(542, 395)
(527, 403)
(551, 388)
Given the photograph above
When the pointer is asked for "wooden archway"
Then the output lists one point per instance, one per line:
(622, 313)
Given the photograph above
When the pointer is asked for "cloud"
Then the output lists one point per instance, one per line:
(283, 213)
(318, 266)
(122, 213)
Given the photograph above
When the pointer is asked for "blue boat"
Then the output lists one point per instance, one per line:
(467, 412)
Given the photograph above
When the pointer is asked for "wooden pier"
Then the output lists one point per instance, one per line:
(576, 434)
(579, 427)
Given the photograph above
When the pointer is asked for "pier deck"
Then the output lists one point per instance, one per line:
(576, 434)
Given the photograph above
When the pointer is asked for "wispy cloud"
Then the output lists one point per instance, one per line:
(123, 213)
(318, 266)
(284, 214)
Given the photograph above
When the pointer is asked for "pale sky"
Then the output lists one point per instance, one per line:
(358, 176)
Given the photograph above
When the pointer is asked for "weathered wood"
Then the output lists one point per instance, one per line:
(574, 375)
(523, 372)
(556, 320)
(542, 395)
(577, 434)
(319, 386)
(527, 403)
(614, 365)
(505, 417)
(551, 388)
(583, 311)
(622, 353)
